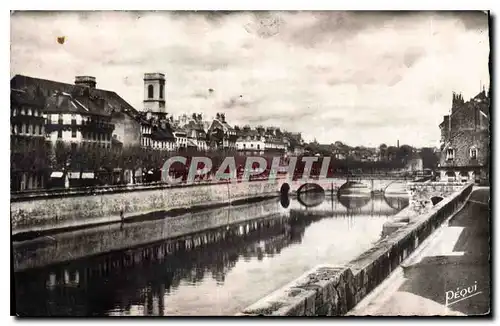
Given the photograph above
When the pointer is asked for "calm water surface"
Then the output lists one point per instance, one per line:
(241, 264)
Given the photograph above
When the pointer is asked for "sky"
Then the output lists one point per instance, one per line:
(363, 78)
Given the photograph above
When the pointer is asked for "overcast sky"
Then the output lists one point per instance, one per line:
(358, 77)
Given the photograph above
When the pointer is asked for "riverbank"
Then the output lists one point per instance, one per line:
(334, 290)
(56, 212)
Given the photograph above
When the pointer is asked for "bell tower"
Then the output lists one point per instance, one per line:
(154, 93)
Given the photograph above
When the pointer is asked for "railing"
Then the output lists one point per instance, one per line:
(95, 190)
(102, 189)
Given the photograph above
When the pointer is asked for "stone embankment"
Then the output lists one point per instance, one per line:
(334, 290)
(68, 246)
(59, 211)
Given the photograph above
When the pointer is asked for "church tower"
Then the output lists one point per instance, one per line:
(154, 93)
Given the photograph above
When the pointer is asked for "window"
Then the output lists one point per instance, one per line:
(473, 153)
(73, 133)
(29, 111)
(258, 146)
(450, 154)
(161, 91)
(14, 112)
(150, 91)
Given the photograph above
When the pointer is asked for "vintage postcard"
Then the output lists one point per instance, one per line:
(239, 163)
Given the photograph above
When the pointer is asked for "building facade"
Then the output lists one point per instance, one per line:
(222, 136)
(465, 139)
(28, 144)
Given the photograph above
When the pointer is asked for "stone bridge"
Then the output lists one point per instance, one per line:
(372, 183)
(424, 195)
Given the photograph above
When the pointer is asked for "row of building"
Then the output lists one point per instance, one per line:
(81, 115)
(465, 140)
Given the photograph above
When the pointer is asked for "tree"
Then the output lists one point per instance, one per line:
(430, 158)
(383, 151)
(404, 153)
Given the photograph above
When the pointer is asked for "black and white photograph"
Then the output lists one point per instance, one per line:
(250, 163)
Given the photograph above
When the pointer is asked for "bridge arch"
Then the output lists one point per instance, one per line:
(392, 182)
(285, 189)
(436, 199)
(311, 199)
(310, 187)
(342, 189)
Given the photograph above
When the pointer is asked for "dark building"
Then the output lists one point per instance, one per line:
(29, 163)
(465, 138)
(77, 115)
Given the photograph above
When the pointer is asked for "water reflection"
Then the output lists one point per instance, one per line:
(354, 202)
(311, 199)
(216, 271)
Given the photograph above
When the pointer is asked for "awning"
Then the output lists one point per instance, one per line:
(74, 175)
(85, 175)
(88, 175)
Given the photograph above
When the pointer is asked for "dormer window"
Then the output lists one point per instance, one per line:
(450, 154)
(473, 153)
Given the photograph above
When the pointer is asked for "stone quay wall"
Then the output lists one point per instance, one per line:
(68, 246)
(52, 212)
(334, 290)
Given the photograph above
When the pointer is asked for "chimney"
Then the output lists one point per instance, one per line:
(87, 81)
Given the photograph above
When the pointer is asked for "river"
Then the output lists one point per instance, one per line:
(213, 271)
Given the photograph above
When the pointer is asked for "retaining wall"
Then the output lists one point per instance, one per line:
(65, 211)
(73, 245)
(334, 290)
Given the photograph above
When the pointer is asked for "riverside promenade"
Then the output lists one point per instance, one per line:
(455, 257)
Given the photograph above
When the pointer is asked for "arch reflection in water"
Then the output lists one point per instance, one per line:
(397, 202)
(285, 200)
(311, 199)
(352, 205)
(354, 202)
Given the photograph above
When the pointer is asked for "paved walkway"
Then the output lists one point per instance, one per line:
(455, 257)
